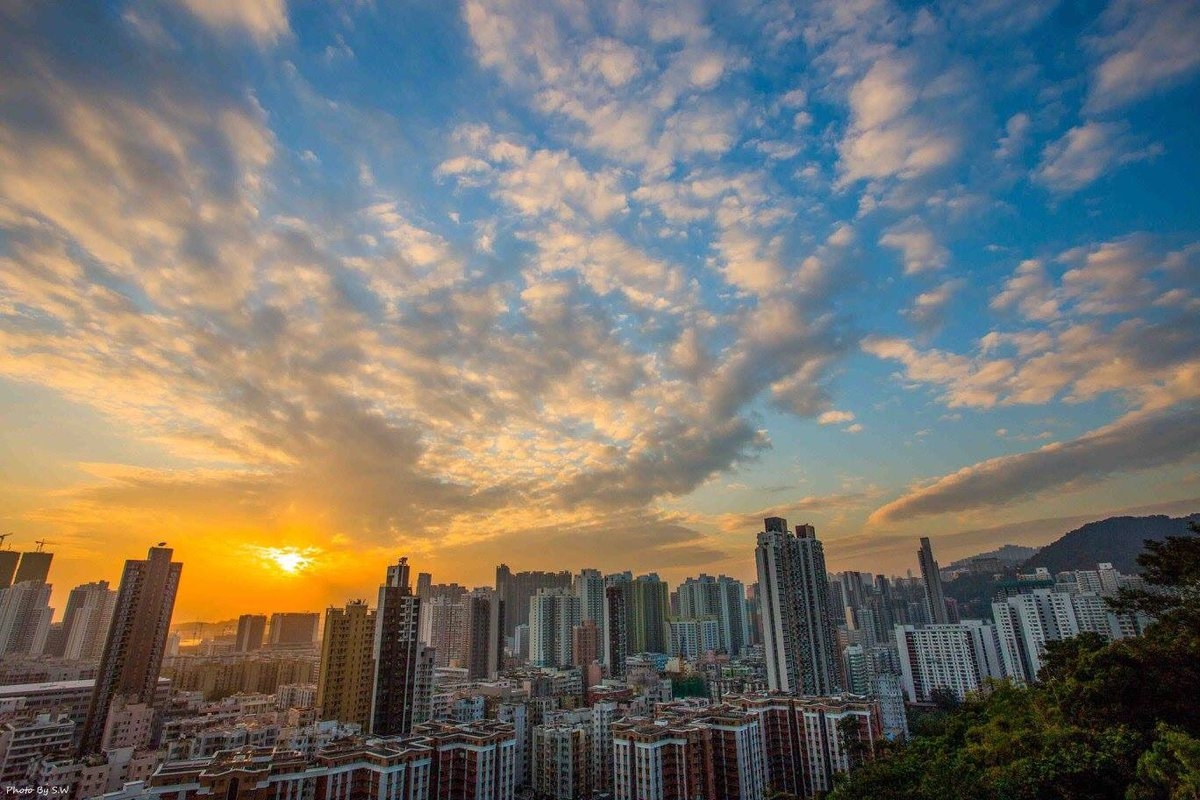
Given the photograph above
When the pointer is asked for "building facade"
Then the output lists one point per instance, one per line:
(347, 673)
(133, 651)
(798, 629)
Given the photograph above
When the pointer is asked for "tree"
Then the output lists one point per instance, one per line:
(1170, 769)
(1171, 569)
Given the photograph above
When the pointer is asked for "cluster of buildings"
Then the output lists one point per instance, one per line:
(545, 685)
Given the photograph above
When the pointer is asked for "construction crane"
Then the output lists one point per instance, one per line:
(3, 536)
(41, 545)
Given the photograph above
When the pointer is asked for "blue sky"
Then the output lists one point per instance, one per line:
(592, 284)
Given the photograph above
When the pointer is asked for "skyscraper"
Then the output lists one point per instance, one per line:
(585, 643)
(935, 599)
(798, 630)
(35, 566)
(395, 704)
(517, 588)
(8, 567)
(347, 673)
(483, 638)
(589, 587)
(553, 613)
(86, 621)
(617, 599)
(648, 618)
(133, 652)
(723, 598)
(25, 616)
(250, 631)
(441, 627)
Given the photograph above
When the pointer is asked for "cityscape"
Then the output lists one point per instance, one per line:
(600, 399)
(555, 685)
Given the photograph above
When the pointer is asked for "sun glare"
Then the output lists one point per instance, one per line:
(289, 560)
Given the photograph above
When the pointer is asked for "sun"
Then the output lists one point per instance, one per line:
(288, 560)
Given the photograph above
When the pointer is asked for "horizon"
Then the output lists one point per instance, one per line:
(300, 288)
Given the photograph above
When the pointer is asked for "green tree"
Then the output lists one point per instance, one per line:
(1171, 569)
(1170, 769)
(1115, 721)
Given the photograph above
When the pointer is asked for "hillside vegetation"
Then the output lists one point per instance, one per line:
(1106, 721)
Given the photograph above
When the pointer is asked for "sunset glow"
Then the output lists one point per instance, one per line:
(303, 287)
(288, 559)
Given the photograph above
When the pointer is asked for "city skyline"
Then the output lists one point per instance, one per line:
(299, 289)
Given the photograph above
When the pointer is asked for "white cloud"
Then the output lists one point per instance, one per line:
(928, 309)
(835, 417)
(1030, 292)
(1146, 47)
(1134, 442)
(1085, 154)
(263, 20)
(920, 251)
(890, 134)
(1015, 138)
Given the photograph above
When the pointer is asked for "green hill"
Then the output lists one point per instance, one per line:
(1117, 540)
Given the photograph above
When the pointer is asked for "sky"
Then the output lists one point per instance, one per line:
(300, 288)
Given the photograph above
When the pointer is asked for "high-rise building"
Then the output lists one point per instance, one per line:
(589, 586)
(8, 567)
(441, 627)
(715, 753)
(516, 589)
(35, 566)
(562, 761)
(1025, 622)
(618, 601)
(472, 761)
(482, 635)
(957, 658)
(553, 613)
(585, 643)
(424, 585)
(520, 641)
(295, 630)
(693, 637)
(133, 651)
(347, 672)
(250, 632)
(25, 616)
(798, 630)
(395, 701)
(86, 620)
(724, 599)
(649, 611)
(935, 598)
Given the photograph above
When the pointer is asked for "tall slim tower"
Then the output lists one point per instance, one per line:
(651, 607)
(86, 621)
(935, 598)
(133, 652)
(482, 634)
(394, 698)
(589, 586)
(618, 599)
(347, 673)
(798, 629)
